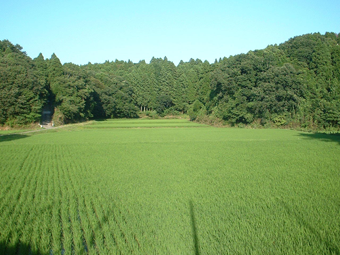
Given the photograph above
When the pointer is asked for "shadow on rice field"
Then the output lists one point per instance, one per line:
(17, 248)
(331, 248)
(11, 137)
(322, 137)
(194, 228)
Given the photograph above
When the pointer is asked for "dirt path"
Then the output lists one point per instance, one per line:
(47, 128)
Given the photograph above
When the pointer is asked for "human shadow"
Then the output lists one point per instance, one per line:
(331, 247)
(18, 248)
(11, 137)
(194, 228)
(322, 137)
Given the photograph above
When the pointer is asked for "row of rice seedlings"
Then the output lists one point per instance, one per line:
(10, 161)
(114, 229)
(20, 172)
(17, 208)
(102, 227)
(56, 230)
(97, 238)
(78, 239)
(79, 224)
(127, 214)
(67, 240)
(81, 228)
(86, 227)
(31, 207)
(31, 234)
(76, 221)
(45, 235)
(91, 233)
(19, 238)
(41, 233)
(110, 235)
(101, 239)
(51, 203)
(96, 215)
(94, 222)
(107, 230)
(35, 238)
(123, 231)
(84, 233)
(122, 215)
(47, 203)
(52, 197)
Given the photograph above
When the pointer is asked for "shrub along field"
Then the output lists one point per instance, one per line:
(169, 191)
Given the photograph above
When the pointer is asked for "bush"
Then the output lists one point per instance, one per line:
(192, 114)
(256, 123)
(196, 109)
(152, 114)
(58, 117)
(210, 120)
(279, 120)
(171, 111)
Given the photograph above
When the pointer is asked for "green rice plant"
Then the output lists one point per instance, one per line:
(26, 228)
(56, 231)
(87, 231)
(46, 235)
(76, 227)
(15, 217)
(144, 123)
(67, 243)
(96, 225)
(111, 239)
(42, 208)
(170, 191)
(35, 238)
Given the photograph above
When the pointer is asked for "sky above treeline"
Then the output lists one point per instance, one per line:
(96, 31)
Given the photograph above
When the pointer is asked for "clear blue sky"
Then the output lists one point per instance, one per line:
(99, 30)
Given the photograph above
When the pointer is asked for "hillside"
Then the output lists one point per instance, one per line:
(295, 84)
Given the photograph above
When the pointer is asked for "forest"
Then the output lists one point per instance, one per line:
(294, 84)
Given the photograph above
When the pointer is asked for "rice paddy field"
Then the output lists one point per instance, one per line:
(169, 187)
(143, 123)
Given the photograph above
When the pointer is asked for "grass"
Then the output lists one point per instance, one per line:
(169, 191)
(14, 131)
(5, 130)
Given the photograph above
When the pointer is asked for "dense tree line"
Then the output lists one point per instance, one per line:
(296, 83)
